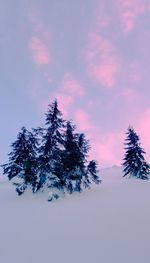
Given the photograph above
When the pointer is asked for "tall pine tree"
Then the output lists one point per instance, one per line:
(51, 143)
(134, 163)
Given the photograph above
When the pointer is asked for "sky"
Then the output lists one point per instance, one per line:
(91, 55)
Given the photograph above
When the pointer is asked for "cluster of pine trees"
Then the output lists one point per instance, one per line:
(53, 157)
(56, 158)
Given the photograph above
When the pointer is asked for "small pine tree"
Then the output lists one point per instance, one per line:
(22, 159)
(92, 171)
(134, 163)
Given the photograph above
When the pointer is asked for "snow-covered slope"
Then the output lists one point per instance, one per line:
(108, 224)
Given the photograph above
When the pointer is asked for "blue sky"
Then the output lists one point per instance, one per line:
(93, 56)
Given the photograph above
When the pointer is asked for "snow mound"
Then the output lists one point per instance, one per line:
(108, 224)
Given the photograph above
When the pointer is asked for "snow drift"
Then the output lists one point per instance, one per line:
(107, 224)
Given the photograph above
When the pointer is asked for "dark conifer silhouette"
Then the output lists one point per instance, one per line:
(51, 142)
(134, 162)
(72, 171)
(22, 159)
(23, 151)
(54, 157)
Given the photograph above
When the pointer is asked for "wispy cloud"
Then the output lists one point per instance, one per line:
(72, 86)
(68, 92)
(39, 51)
(83, 121)
(130, 11)
(102, 17)
(103, 63)
(65, 101)
(106, 149)
(39, 43)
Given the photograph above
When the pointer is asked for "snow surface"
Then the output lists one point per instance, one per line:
(108, 224)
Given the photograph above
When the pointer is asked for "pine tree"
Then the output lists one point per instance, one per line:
(91, 167)
(134, 162)
(72, 171)
(22, 159)
(93, 171)
(66, 161)
(73, 165)
(52, 141)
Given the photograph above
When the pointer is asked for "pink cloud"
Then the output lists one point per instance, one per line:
(82, 120)
(143, 128)
(66, 93)
(104, 23)
(72, 86)
(129, 11)
(104, 16)
(106, 149)
(39, 43)
(133, 77)
(37, 24)
(70, 89)
(103, 63)
(39, 51)
(105, 72)
(103, 19)
(65, 101)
